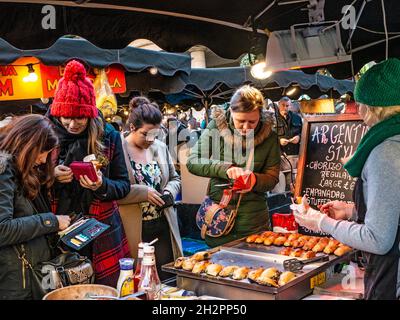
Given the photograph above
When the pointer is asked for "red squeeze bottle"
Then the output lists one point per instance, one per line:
(136, 276)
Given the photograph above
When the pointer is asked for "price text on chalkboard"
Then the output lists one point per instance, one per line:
(326, 142)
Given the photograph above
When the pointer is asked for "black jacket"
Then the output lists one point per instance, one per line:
(289, 128)
(19, 225)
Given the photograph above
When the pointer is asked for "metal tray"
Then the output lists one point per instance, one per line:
(251, 255)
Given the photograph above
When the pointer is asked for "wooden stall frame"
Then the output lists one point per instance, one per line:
(307, 121)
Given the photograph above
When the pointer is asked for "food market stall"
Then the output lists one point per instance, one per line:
(254, 267)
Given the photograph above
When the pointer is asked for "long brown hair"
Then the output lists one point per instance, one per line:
(96, 133)
(25, 138)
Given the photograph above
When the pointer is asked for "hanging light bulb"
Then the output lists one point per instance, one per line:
(126, 112)
(32, 76)
(260, 71)
(291, 91)
(153, 71)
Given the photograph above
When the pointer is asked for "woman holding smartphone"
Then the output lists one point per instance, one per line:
(154, 184)
(82, 132)
(26, 174)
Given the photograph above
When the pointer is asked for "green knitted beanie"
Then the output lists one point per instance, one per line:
(380, 85)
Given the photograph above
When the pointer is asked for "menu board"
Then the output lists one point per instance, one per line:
(327, 141)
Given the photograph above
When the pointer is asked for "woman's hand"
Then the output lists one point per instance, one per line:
(89, 184)
(338, 210)
(63, 174)
(295, 140)
(154, 197)
(283, 141)
(234, 172)
(63, 222)
(251, 181)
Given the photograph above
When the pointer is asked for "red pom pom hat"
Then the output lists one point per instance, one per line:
(74, 97)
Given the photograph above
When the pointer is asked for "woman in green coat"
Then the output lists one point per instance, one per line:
(244, 127)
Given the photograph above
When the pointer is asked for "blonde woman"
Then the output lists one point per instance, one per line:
(371, 224)
(243, 126)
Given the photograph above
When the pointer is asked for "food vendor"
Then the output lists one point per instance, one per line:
(371, 224)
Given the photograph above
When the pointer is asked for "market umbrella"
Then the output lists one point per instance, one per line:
(216, 85)
(132, 59)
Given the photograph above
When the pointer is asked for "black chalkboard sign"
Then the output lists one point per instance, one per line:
(326, 142)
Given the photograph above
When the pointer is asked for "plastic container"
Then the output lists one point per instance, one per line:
(125, 284)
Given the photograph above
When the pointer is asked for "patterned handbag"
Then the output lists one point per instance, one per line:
(216, 220)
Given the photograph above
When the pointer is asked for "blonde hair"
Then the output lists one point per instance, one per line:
(247, 99)
(96, 132)
(377, 114)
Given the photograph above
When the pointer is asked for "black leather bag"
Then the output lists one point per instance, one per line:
(66, 269)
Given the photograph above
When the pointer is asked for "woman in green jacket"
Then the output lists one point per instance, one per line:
(244, 127)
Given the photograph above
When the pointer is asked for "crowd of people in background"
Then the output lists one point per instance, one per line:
(138, 181)
(39, 194)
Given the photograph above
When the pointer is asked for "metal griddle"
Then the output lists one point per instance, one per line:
(253, 256)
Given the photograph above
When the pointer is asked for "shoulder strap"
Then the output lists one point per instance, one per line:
(127, 160)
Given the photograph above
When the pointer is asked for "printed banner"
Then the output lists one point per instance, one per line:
(16, 83)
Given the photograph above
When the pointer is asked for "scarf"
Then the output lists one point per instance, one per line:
(72, 198)
(374, 136)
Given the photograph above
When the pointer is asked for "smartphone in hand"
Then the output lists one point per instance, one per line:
(168, 201)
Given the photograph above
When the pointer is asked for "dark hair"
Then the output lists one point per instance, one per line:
(247, 99)
(285, 99)
(25, 138)
(142, 111)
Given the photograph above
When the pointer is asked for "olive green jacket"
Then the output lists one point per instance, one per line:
(211, 157)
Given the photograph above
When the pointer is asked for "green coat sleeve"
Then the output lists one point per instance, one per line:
(199, 161)
(269, 176)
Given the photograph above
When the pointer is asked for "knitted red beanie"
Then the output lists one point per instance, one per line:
(74, 97)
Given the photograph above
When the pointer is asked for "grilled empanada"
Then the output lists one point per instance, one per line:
(308, 255)
(200, 267)
(332, 246)
(272, 273)
(252, 238)
(279, 241)
(240, 273)
(264, 280)
(286, 251)
(228, 271)
(269, 240)
(297, 253)
(342, 250)
(214, 269)
(202, 255)
(254, 274)
(286, 277)
(310, 243)
(178, 262)
(188, 264)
